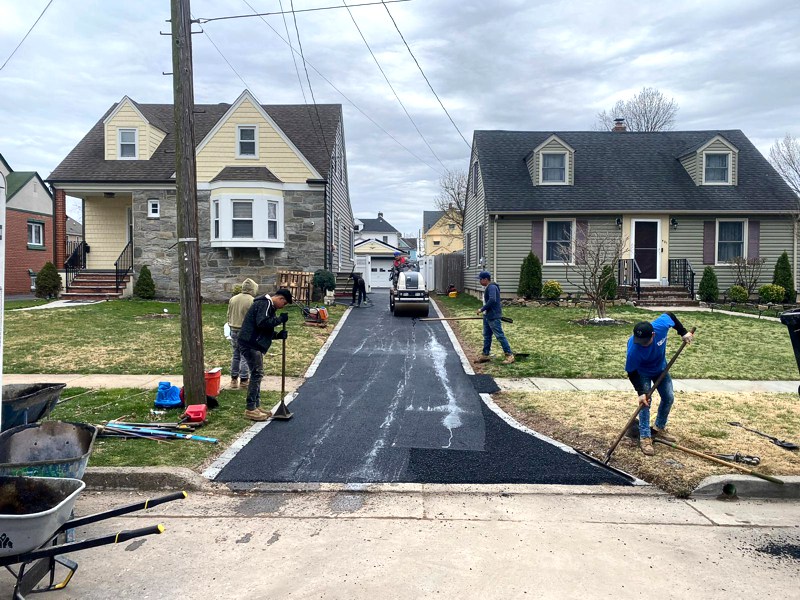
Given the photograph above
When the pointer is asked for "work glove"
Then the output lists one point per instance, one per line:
(480, 312)
(688, 337)
(281, 335)
(283, 317)
(644, 400)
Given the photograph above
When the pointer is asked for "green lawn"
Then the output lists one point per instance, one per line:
(727, 347)
(137, 337)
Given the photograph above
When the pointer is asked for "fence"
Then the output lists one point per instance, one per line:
(298, 283)
(448, 270)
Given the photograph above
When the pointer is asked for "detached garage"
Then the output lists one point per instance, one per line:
(378, 256)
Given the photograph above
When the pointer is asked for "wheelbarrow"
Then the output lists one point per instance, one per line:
(25, 403)
(35, 514)
(49, 449)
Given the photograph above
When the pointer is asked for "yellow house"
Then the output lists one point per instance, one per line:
(440, 234)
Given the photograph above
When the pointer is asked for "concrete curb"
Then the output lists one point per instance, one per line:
(146, 478)
(749, 487)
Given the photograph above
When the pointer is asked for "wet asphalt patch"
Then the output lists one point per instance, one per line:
(484, 384)
(390, 402)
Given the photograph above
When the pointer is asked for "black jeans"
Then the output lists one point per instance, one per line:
(255, 360)
(360, 291)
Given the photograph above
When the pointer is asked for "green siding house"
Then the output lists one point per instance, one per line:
(678, 201)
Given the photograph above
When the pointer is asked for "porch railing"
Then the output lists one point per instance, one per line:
(681, 273)
(124, 265)
(76, 262)
(630, 275)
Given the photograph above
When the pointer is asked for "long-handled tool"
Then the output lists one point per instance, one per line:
(503, 319)
(649, 393)
(718, 461)
(745, 459)
(781, 443)
(282, 412)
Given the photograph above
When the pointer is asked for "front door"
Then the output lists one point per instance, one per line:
(646, 249)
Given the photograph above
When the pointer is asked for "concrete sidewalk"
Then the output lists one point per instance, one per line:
(522, 384)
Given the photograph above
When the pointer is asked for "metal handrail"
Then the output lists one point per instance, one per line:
(123, 265)
(680, 272)
(76, 261)
(630, 274)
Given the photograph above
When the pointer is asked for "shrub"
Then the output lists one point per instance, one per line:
(771, 293)
(48, 281)
(551, 290)
(324, 280)
(608, 289)
(738, 294)
(530, 277)
(709, 286)
(783, 277)
(144, 287)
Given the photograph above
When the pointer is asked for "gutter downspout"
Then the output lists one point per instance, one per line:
(494, 248)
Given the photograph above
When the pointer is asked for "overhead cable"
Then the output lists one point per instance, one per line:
(266, 14)
(27, 34)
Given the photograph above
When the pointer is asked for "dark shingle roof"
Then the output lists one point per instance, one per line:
(429, 218)
(86, 162)
(73, 227)
(246, 174)
(411, 242)
(625, 172)
(377, 225)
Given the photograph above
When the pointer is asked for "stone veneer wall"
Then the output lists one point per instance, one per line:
(155, 245)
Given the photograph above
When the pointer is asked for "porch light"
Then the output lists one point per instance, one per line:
(674, 222)
(619, 223)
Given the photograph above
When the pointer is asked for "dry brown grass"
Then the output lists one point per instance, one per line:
(591, 422)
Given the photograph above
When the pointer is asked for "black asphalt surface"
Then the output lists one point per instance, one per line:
(390, 402)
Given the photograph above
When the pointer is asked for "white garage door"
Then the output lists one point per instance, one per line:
(379, 272)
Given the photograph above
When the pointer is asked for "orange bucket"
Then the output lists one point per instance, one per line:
(213, 378)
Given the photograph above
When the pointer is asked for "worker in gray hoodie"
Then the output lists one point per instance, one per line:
(237, 309)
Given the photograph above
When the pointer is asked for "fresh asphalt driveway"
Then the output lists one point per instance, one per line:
(390, 402)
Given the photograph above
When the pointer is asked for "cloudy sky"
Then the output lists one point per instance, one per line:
(498, 64)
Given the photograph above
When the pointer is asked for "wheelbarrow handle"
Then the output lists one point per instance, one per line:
(122, 510)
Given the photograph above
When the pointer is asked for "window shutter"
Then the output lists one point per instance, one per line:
(537, 238)
(709, 239)
(753, 239)
(581, 234)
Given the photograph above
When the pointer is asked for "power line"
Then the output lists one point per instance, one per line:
(425, 76)
(266, 14)
(308, 79)
(392, 87)
(225, 59)
(27, 34)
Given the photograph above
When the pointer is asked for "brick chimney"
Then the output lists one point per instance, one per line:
(619, 125)
(380, 215)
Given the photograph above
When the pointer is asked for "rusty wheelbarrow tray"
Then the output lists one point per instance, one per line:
(28, 403)
(49, 449)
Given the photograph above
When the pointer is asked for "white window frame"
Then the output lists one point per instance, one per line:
(573, 234)
(475, 178)
(468, 248)
(716, 241)
(34, 226)
(135, 131)
(481, 245)
(260, 218)
(239, 141)
(252, 218)
(276, 220)
(153, 203)
(727, 153)
(563, 153)
(215, 221)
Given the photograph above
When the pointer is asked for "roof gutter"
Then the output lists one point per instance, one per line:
(522, 213)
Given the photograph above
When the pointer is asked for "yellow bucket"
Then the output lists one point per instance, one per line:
(452, 294)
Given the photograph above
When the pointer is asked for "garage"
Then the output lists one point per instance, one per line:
(380, 271)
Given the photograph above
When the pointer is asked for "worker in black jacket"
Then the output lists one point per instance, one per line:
(255, 338)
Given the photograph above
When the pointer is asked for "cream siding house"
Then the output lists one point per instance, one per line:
(441, 235)
(272, 192)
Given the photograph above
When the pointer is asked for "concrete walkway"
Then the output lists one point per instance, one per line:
(661, 309)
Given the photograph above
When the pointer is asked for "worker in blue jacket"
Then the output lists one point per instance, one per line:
(492, 310)
(647, 358)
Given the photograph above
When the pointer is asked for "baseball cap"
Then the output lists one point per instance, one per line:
(286, 294)
(397, 253)
(642, 333)
(484, 275)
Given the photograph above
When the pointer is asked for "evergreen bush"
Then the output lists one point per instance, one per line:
(738, 294)
(551, 290)
(608, 283)
(783, 277)
(324, 280)
(144, 287)
(48, 281)
(530, 277)
(771, 293)
(709, 286)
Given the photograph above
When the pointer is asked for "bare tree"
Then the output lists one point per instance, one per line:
(594, 253)
(785, 157)
(748, 272)
(452, 198)
(649, 110)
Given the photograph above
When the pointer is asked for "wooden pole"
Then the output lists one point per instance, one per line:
(186, 200)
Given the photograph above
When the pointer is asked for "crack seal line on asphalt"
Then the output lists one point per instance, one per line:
(487, 399)
(454, 340)
(219, 464)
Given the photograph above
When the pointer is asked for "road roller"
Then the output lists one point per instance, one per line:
(409, 298)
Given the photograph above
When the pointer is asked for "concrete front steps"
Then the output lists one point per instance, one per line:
(661, 296)
(95, 285)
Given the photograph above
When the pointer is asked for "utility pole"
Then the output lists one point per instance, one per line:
(186, 199)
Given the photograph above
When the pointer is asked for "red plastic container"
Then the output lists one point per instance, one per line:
(196, 413)
(212, 382)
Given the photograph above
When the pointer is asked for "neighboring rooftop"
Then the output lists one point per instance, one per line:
(429, 219)
(379, 225)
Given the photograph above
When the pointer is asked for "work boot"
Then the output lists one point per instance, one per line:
(244, 383)
(509, 359)
(234, 383)
(663, 434)
(646, 444)
(484, 358)
(261, 410)
(255, 415)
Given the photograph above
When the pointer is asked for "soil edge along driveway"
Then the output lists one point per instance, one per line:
(390, 402)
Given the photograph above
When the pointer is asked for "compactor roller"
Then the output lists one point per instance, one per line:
(409, 298)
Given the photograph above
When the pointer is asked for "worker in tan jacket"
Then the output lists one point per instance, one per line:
(237, 309)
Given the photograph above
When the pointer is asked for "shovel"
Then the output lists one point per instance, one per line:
(503, 319)
(782, 443)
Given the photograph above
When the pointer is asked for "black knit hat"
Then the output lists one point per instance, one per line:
(286, 294)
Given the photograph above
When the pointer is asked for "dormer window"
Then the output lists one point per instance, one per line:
(717, 169)
(246, 142)
(554, 168)
(128, 144)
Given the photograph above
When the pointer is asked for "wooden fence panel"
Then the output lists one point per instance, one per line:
(449, 270)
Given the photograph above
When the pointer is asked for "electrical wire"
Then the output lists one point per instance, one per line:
(267, 14)
(223, 57)
(391, 87)
(425, 76)
(27, 34)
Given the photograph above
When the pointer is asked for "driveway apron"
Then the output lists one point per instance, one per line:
(390, 402)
